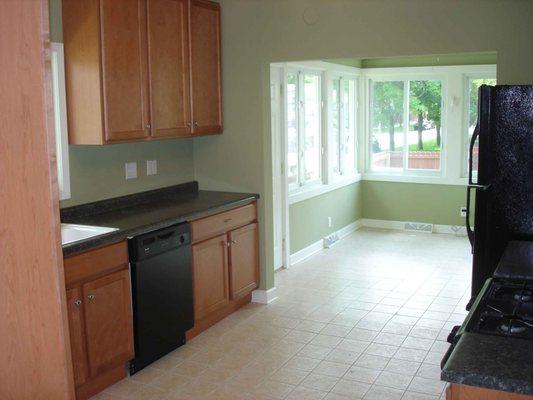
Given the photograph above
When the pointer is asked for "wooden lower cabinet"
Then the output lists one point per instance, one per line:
(225, 256)
(244, 260)
(210, 274)
(465, 392)
(108, 321)
(100, 318)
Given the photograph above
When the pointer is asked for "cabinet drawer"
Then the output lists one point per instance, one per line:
(94, 263)
(223, 222)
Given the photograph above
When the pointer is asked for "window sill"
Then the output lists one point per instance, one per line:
(434, 180)
(316, 190)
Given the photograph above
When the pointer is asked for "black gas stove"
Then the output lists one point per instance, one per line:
(505, 309)
(504, 305)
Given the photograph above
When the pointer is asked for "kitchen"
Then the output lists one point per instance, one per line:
(212, 161)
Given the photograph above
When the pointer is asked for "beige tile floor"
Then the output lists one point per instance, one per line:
(366, 319)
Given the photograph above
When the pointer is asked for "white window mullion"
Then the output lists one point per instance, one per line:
(301, 130)
(405, 124)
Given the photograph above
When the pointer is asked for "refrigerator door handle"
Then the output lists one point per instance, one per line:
(471, 185)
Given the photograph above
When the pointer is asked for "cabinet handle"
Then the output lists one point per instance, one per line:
(227, 220)
(77, 303)
(91, 297)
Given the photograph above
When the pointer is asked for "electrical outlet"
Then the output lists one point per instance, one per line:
(151, 167)
(463, 211)
(131, 170)
(329, 222)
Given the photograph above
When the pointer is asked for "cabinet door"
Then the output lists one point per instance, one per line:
(244, 260)
(168, 47)
(205, 67)
(124, 69)
(108, 321)
(77, 335)
(210, 275)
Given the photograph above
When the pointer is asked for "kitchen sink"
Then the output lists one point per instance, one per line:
(73, 233)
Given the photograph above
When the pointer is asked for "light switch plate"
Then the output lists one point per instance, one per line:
(131, 170)
(151, 167)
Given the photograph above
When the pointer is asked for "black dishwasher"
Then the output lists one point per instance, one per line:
(161, 281)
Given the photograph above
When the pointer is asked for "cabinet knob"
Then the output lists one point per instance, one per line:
(91, 297)
(188, 124)
(195, 123)
(233, 242)
(227, 244)
(148, 126)
(77, 303)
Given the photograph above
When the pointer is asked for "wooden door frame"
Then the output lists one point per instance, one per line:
(34, 336)
(279, 157)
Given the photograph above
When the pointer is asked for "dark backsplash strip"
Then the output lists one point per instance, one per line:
(117, 203)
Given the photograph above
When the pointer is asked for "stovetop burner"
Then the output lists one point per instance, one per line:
(505, 309)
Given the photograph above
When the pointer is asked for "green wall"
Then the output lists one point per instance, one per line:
(308, 219)
(435, 60)
(416, 202)
(256, 33)
(97, 172)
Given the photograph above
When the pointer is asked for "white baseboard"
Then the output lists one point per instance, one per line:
(264, 296)
(399, 225)
(315, 247)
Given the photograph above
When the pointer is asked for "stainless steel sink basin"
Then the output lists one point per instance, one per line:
(71, 233)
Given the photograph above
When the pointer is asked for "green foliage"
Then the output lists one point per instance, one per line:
(387, 104)
(425, 98)
(473, 95)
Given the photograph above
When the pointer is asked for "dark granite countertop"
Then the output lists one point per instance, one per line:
(492, 362)
(147, 211)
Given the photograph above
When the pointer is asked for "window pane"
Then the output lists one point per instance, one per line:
(387, 124)
(292, 128)
(424, 135)
(473, 88)
(348, 127)
(335, 126)
(312, 127)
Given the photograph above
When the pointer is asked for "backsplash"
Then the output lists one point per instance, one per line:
(97, 172)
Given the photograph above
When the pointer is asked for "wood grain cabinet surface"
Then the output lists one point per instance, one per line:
(99, 317)
(225, 260)
(465, 392)
(140, 70)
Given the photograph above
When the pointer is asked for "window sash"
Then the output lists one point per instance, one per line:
(60, 119)
(404, 170)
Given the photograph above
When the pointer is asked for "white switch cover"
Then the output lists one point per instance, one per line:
(131, 170)
(151, 167)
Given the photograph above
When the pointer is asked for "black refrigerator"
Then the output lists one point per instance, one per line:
(504, 185)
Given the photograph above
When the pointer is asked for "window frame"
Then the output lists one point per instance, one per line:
(57, 61)
(453, 121)
(342, 77)
(328, 180)
(406, 78)
(467, 78)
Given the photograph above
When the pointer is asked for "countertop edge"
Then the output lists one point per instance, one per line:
(487, 382)
(118, 236)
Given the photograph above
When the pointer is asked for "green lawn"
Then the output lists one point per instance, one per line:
(429, 145)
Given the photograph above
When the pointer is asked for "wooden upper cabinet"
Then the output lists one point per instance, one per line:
(141, 69)
(244, 260)
(206, 67)
(108, 321)
(168, 44)
(124, 69)
(77, 335)
(210, 276)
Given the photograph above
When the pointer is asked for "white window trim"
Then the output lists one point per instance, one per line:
(328, 181)
(467, 77)
(60, 119)
(453, 145)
